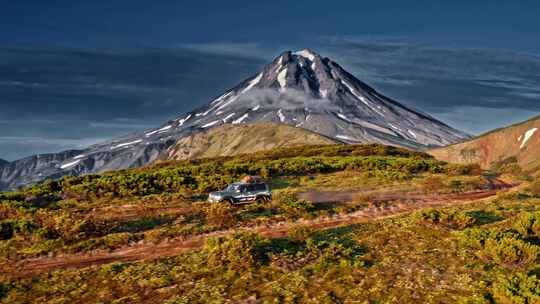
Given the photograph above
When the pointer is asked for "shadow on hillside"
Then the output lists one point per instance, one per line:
(484, 217)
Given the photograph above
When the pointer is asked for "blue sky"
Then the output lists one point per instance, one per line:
(73, 73)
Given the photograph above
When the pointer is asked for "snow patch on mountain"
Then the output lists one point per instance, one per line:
(344, 137)
(183, 120)
(222, 97)
(241, 119)
(282, 78)
(343, 117)
(70, 164)
(527, 136)
(226, 118)
(280, 115)
(306, 54)
(252, 83)
(159, 130)
(323, 93)
(127, 144)
(210, 124)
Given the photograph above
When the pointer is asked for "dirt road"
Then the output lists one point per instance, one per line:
(171, 247)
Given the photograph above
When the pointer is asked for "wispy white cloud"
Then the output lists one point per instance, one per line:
(60, 142)
(478, 120)
(120, 125)
(248, 49)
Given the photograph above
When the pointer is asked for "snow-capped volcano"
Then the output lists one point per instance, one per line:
(297, 88)
(309, 91)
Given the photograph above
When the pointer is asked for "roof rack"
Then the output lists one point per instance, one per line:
(251, 179)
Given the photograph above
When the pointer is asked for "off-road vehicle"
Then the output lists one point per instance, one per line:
(242, 192)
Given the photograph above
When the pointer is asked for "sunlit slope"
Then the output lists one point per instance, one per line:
(229, 140)
(517, 143)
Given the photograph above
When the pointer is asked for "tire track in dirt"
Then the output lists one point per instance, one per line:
(175, 246)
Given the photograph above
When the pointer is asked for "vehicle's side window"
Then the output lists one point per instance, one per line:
(260, 187)
(243, 188)
(251, 188)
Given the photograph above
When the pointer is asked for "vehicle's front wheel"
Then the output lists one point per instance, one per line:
(263, 199)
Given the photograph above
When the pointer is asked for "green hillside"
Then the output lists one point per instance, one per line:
(229, 139)
(348, 224)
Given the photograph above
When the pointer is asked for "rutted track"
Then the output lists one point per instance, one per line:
(171, 247)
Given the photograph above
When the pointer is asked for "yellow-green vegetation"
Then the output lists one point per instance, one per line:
(398, 260)
(230, 139)
(476, 253)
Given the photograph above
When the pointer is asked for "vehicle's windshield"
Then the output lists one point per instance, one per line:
(231, 188)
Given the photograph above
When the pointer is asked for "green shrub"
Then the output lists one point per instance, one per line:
(503, 247)
(109, 242)
(201, 176)
(289, 202)
(510, 252)
(512, 168)
(476, 237)
(239, 251)
(219, 215)
(463, 169)
(457, 185)
(333, 248)
(10, 227)
(433, 183)
(300, 233)
(3, 290)
(6, 230)
(517, 289)
(445, 218)
(534, 188)
(528, 224)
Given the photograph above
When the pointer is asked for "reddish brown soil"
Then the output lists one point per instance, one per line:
(133, 212)
(150, 251)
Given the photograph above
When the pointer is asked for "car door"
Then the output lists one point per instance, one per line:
(242, 194)
(251, 194)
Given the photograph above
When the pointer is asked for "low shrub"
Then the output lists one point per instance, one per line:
(517, 289)
(362, 199)
(445, 218)
(534, 188)
(290, 203)
(300, 233)
(476, 237)
(513, 168)
(239, 251)
(460, 169)
(433, 183)
(108, 242)
(332, 249)
(457, 185)
(528, 224)
(3, 290)
(510, 252)
(219, 215)
(10, 227)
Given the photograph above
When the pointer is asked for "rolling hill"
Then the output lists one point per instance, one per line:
(517, 143)
(228, 140)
